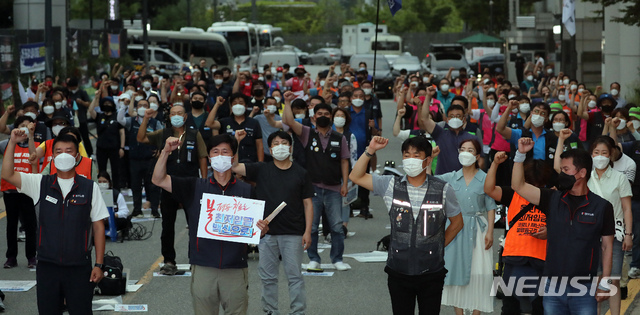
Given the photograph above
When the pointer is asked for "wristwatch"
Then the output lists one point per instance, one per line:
(99, 265)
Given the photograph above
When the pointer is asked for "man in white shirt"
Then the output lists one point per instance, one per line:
(71, 213)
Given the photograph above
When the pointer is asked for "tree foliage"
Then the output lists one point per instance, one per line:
(630, 12)
(415, 16)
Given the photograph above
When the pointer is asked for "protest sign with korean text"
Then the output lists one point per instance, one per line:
(230, 219)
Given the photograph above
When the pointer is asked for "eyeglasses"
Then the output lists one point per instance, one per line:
(470, 150)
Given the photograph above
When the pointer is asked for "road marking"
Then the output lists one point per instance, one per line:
(3, 214)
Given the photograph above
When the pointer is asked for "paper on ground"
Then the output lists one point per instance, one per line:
(317, 274)
(350, 234)
(145, 219)
(374, 256)
(106, 304)
(320, 250)
(132, 308)
(323, 245)
(186, 274)
(184, 267)
(16, 285)
(324, 266)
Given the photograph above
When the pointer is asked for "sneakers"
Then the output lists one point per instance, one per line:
(137, 214)
(11, 262)
(155, 214)
(169, 269)
(364, 213)
(341, 266)
(1, 306)
(634, 273)
(22, 236)
(313, 265)
(32, 263)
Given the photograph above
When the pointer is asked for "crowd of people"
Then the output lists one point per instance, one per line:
(557, 156)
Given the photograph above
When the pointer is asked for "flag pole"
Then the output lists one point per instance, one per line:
(375, 46)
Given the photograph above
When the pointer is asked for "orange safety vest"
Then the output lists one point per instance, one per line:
(48, 154)
(519, 242)
(20, 164)
(83, 168)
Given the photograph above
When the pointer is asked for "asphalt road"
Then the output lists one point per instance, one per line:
(361, 290)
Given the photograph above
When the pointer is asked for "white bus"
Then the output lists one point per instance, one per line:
(266, 34)
(388, 45)
(243, 40)
(191, 44)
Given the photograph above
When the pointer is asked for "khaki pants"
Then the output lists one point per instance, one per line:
(212, 287)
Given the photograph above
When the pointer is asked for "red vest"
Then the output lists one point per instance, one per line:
(48, 154)
(20, 164)
(519, 242)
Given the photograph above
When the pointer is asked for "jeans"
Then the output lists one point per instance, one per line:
(20, 206)
(426, 289)
(169, 212)
(330, 202)
(515, 305)
(585, 304)
(141, 170)
(114, 156)
(635, 208)
(290, 248)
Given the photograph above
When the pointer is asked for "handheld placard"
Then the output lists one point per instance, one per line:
(276, 211)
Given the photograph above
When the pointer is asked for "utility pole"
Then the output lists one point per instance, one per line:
(188, 12)
(254, 12)
(145, 35)
(490, 17)
(48, 36)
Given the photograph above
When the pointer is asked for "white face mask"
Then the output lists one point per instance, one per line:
(557, 126)
(580, 90)
(152, 71)
(121, 104)
(525, 107)
(272, 109)
(30, 114)
(26, 130)
(491, 90)
(153, 106)
(280, 152)
(238, 109)
(58, 105)
(592, 104)
(146, 84)
(299, 116)
(357, 102)
(322, 83)
(114, 87)
(511, 96)
(348, 78)
(622, 125)
(614, 92)
(414, 83)
(311, 113)
(529, 78)
(218, 81)
(466, 158)
(64, 162)
(48, 109)
(103, 186)
(444, 87)
(549, 71)
(561, 97)
(221, 163)
(412, 166)
(485, 81)
(138, 98)
(277, 99)
(537, 120)
(425, 79)
(141, 111)
(339, 121)
(455, 123)
(636, 124)
(456, 84)
(335, 83)
(367, 91)
(600, 162)
(56, 130)
(491, 103)
(566, 81)
(573, 86)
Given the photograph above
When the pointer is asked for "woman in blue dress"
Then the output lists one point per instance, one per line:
(469, 258)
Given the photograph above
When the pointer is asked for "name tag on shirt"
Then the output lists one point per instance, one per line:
(335, 143)
(51, 200)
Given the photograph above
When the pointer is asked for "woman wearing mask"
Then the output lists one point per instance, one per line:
(47, 110)
(18, 205)
(45, 149)
(560, 121)
(458, 87)
(120, 209)
(469, 258)
(616, 126)
(615, 188)
(341, 120)
(158, 107)
(111, 136)
(277, 94)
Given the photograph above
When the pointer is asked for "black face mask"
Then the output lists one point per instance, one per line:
(565, 181)
(107, 108)
(500, 80)
(607, 108)
(323, 121)
(300, 74)
(197, 104)
(269, 76)
(258, 92)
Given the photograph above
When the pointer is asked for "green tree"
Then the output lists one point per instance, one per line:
(415, 16)
(630, 13)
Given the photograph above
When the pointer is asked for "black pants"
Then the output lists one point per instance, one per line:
(405, 290)
(112, 155)
(125, 175)
(57, 284)
(169, 212)
(363, 194)
(84, 132)
(20, 206)
(141, 171)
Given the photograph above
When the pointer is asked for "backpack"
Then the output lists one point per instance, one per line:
(114, 281)
(385, 243)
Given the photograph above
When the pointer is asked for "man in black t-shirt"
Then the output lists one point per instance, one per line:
(80, 96)
(580, 224)
(277, 181)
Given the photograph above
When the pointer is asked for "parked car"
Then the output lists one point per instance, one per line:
(491, 61)
(439, 63)
(383, 78)
(408, 62)
(157, 57)
(302, 55)
(277, 58)
(325, 56)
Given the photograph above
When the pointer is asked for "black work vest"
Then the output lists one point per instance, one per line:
(137, 150)
(183, 161)
(65, 228)
(40, 133)
(635, 155)
(411, 252)
(594, 129)
(573, 238)
(108, 132)
(205, 131)
(324, 165)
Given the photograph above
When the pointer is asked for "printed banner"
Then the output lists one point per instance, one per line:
(32, 58)
(114, 45)
(230, 219)
(6, 53)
